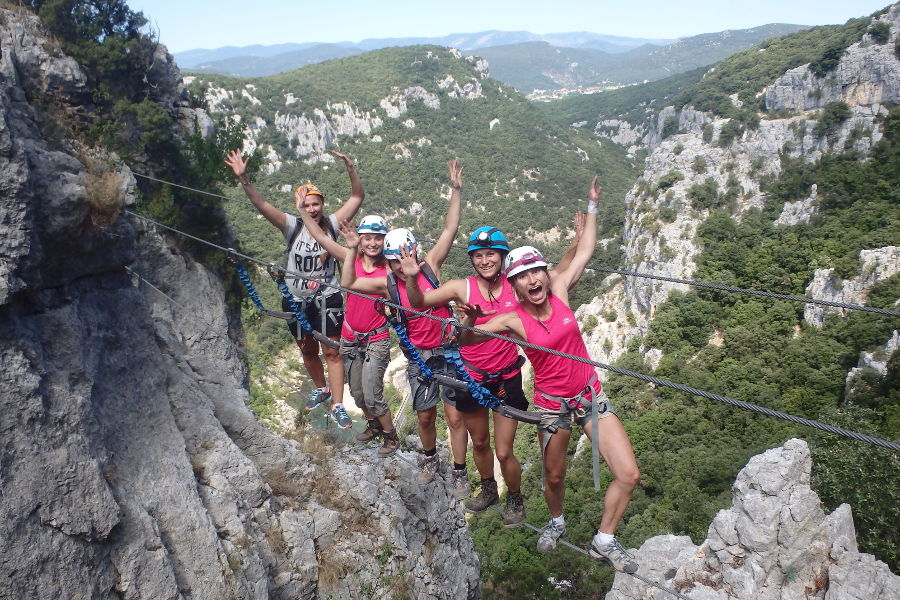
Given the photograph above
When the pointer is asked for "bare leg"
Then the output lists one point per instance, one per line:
(477, 425)
(616, 450)
(427, 431)
(504, 434)
(555, 470)
(335, 372)
(459, 437)
(309, 349)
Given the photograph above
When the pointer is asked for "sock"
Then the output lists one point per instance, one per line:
(488, 480)
(459, 466)
(431, 452)
(514, 494)
(603, 539)
(333, 406)
(560, 520)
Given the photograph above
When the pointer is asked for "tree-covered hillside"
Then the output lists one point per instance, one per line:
(523, 171)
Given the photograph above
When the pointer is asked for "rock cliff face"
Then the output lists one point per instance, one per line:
(130, 463)
(661, 220)
(775, 542)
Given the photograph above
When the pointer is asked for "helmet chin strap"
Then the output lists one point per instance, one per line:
(490, 281)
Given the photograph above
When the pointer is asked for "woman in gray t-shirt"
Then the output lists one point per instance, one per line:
(322, 304)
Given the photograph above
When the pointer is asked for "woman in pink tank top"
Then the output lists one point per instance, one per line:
(566, 391)
(424, 333)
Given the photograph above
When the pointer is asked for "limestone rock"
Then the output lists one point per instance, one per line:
(132, 465)
(875, 265)
(775, 542)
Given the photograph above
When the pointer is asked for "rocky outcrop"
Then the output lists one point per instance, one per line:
(775, 542)
(875, 362)
(662, 218)
(875, 265)
(131, 465)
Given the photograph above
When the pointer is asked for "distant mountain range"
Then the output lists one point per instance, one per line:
(220, 60)
(522, 59)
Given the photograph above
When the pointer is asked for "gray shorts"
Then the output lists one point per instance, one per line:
(364, 368)
(581, 416)
(426, 395)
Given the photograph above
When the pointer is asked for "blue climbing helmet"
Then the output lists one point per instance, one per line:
(487, 237)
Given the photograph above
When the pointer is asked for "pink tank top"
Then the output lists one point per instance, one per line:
(424, 333)
(553, 374)
(492, 355)
(360, 314)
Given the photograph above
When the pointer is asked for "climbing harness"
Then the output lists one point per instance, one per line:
(277, 275)
(570, 404)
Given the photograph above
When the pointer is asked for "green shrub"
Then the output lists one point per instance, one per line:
(669, 179)
(831, 117)
(704, 195)
(707, 132)
(729, 132)
(880, 32)
(670, 127)
(699, 165)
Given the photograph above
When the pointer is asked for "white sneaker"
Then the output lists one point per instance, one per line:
(615, 555)
(550, 535)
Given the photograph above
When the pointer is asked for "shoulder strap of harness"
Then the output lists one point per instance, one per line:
(393, 285)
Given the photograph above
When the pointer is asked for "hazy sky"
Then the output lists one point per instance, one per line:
(190, 24)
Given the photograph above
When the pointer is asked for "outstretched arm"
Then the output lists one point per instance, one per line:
(315, 230)
(349, 208)
(506, 324)
(562, 280)
(237, 163)
(567, 257)
(366, 285)
(438, 254)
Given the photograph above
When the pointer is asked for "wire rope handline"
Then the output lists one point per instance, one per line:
(648, 378)
(689, 282)
(236, 347)
(399, 413)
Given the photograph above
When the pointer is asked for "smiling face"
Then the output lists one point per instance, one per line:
(371, 244)
(532, 286)
(487, 262)
(313, 204)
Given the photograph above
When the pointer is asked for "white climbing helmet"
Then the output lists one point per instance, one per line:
(372, 224)
(522, 259)
(397, 239)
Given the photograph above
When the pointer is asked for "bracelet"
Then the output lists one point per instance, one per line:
(244, 180)
(593, 208)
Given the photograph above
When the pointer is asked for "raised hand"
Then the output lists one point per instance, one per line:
(237, 163)
(595, 190)
(579, 226)
(347, 162)
(455, 173)
(471, 312)
(348, 231)
(408, 261)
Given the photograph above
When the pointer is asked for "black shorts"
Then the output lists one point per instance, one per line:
(334, 314)
(514, 396)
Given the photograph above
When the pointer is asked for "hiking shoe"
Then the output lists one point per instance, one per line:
(615, 555)
(550, 535)
(486, 497)
(319, 395)
(429, 466)
(390, 443)
(372, 431)
(514, 513)
(459, 478)
(341, 417)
